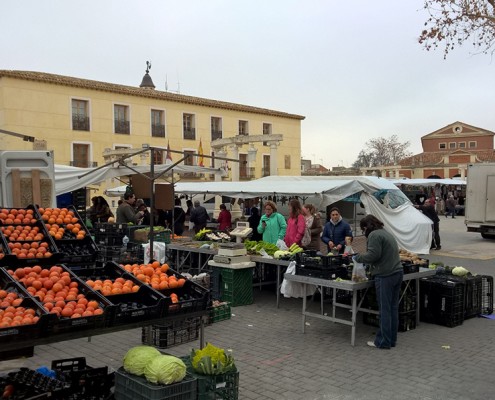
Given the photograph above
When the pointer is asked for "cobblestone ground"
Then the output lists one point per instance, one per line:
(277, 361)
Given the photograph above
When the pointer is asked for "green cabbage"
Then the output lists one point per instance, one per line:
(460, 271)
(165, 370)
(138, 357)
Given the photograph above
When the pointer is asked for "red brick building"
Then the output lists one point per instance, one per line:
(446, 153)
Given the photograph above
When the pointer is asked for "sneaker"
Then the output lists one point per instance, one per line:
(371, 344)
(438, 248)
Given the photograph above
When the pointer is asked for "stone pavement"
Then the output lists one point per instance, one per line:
(277, 361)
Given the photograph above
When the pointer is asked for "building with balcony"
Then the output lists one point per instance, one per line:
(79, 119)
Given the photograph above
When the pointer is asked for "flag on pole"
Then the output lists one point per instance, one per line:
(200, 155)
(168, 159)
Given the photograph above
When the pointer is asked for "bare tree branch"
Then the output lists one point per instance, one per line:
(454, 22)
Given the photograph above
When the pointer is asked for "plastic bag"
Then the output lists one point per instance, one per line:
(295, 289)
(264, 254)
(281, 245)
(358, 272)
(158, 252)
(306, 239)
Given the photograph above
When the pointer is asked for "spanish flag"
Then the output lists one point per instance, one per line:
(168, 159)
(200, 155)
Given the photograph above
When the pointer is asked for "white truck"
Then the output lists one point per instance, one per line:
(480, 199)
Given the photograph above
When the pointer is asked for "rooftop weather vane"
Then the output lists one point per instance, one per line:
(148, 66)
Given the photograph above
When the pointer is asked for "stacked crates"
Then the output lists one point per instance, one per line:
(442, 301)
(171, 334)
(233, 285)
(486, 294)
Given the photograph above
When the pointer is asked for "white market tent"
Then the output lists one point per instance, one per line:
(68, 179)
(411, 228)
(428, 182)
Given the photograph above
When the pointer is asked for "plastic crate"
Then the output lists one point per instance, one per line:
(162, 237)
(325, 272)
(407, 320)
(472, 295)
(132, 387)
(487, 294)
(309, 258)
(172, 334)
(132, 254)
(85, 381)
(109, 234)
(442, 301)
(410, 268)
(220, 313)
(235, 285)
(77, 251)
(110, 253)
(215, 387)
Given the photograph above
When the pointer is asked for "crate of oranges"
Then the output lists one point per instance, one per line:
(21, 316)
(131, 299)
(26, 239)
(63, 294)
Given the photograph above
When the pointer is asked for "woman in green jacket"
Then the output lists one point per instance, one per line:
(272, 224)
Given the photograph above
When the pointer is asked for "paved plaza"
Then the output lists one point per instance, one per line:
(277, 361)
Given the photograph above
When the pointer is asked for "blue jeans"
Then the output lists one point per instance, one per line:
(387, 296)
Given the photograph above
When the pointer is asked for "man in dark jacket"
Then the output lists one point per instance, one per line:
(199, 216)
(430, 212)
(335, 232)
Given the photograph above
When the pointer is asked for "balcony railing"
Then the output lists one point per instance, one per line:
(246, 174)
(158, 130)
(80, 123)
(84, 164)
(122, 127)
(190, 134)
(243, 133)
(216, 135)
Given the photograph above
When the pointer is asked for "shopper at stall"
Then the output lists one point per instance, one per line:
(103, 211)
(335, 232)
(254, 221)
(272, 224)
(199, 217)
(224, 218)
(91, 211)
(296, 224)
(429, 211)
(179, 218)
(450, 206)
(382, 254)
(126, 213)
(313, 223)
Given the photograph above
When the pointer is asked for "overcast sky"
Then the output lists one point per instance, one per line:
(353, 68)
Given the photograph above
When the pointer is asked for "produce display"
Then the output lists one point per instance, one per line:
(212, 360)
(208, 234)
(407, 256)
(156, 368)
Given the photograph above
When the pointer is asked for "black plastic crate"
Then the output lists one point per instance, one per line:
(487, 294)
(410, 268)
(145, 304)
(310, 258)
(110, 253)
(85, 381)
(132, 254)
(39, 383)
(326, 272)
(472, 295)
(192, 297)
(171, 334)
(107, 234)
(133, 387)
(77, 251)
(442, 301)
(407, 320)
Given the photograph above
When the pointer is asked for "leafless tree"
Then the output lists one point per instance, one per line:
(454, 22)
(382, 151)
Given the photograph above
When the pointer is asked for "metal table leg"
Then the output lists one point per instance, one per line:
(354, 312)
(278, 284)
(304, 308)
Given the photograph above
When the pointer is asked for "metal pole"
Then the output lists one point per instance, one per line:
(152, 201)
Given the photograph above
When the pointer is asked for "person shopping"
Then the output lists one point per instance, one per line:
(272, 224)
(382, 254)
(429, 211)
(199, 217)
(296, 224)
(224, 218)
(335, 232)
(313, 222)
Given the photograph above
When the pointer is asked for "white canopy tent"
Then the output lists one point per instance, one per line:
(378, 195)
(68, 179)
(428, 182)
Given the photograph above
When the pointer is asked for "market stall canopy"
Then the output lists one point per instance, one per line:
(68, 179)
(428, 182)
(379, 196)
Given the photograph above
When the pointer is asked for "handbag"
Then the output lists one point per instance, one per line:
(306, 239)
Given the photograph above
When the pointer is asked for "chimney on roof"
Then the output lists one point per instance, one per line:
(147, 82)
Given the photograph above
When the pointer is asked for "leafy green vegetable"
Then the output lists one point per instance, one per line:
(138, 357)
(212, 360)
(165, 370)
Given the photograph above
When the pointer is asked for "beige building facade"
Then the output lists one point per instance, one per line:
(81, 119)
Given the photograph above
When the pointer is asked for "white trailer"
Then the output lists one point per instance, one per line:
(480, 199)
